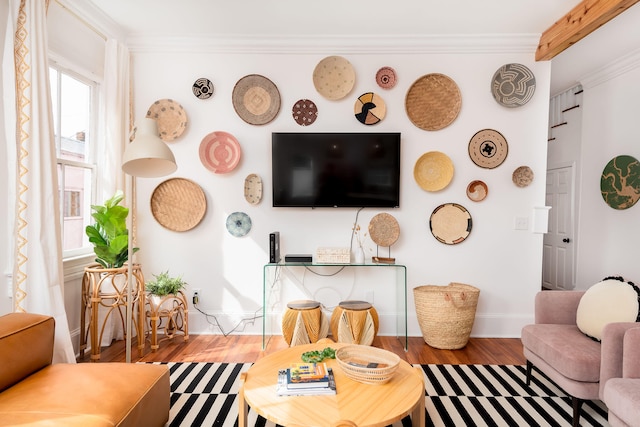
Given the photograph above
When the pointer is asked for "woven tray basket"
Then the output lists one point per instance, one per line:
(446, 313)
(352, 357)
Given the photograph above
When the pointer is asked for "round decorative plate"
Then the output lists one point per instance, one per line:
(522, 176)
(170, 118)
(433, 171)
(238, 224)
(334, 77)
(477, 191)
(202, 88)
(450, 223)
(256, 99)
(488, 148)
(386, 77)
(253, 189)
(620, 182)
(433, 102)
(384, 229)
(305, 112)
(513, 85)
(178, 204)
(220, 152)
(369, 109)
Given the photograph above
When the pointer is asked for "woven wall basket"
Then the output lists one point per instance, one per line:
(446, 313)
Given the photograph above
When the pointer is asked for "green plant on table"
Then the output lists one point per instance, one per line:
(165, 284)
(109, 235)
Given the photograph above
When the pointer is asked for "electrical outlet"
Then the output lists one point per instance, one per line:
(197, 294)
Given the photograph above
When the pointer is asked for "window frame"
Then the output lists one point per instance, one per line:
(91, 162)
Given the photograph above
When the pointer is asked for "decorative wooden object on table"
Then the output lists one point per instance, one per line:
(170, 313)
(303, 322)
(354, 322)
(362, 404)
(384, 230)
(107, 288)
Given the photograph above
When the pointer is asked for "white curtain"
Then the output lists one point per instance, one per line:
(38, 274)
(114, 116)
(114, 132)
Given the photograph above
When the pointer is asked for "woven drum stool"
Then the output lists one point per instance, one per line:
(354, 322)
(303, 322)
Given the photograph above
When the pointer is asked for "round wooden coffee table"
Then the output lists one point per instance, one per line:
(355, 403)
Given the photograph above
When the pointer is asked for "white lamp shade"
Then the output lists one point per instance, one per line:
(148, 156)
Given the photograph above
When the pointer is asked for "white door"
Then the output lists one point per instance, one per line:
(557, 259)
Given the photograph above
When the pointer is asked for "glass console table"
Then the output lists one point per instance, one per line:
(400, 294)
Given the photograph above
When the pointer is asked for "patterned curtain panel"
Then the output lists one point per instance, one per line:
(38, 277)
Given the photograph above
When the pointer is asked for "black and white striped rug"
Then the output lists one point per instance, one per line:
(205, 394)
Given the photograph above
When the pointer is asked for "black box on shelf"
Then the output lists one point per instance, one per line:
(274, 247)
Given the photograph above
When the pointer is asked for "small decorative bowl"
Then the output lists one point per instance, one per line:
(368, 365)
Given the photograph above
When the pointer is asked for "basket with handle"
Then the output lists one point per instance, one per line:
(446, 313)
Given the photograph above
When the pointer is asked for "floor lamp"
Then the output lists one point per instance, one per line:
(147, 156)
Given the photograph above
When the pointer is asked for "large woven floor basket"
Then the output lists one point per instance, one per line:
(446, 313)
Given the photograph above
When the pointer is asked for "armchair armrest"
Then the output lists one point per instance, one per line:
(557, 307)
(611, 361)
(631, 353)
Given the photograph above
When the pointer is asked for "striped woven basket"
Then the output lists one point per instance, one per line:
(446, 313)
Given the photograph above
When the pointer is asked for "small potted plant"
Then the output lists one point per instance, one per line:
(167, 301)
(164, 285)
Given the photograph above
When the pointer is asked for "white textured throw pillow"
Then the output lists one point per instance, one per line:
(606, 302)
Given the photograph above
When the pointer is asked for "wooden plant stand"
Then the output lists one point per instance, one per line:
(170, 313)
(107, 288)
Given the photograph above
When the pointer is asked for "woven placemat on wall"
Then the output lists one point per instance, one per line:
(178, 204)
(433, 102)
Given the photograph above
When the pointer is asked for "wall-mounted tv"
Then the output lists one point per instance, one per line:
(344, 170)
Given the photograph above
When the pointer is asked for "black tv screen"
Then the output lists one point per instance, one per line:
(336, 170)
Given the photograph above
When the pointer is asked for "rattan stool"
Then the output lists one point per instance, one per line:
(303, 322)
(354, 322)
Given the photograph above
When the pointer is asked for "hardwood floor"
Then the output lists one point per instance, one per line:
(247, 348)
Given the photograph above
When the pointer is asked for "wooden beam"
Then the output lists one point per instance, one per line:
(586, 17)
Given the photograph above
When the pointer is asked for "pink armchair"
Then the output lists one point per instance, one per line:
(622, 395)
(578, 364)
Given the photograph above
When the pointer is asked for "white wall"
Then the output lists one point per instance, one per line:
(504, 263)
(608, 237)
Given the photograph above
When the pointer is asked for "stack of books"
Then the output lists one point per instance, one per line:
(306, 379)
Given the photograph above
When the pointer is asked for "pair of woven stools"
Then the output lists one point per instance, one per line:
(353, 322)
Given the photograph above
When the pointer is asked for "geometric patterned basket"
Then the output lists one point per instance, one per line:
(446, 313)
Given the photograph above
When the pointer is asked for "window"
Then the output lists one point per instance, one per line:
(73, 99)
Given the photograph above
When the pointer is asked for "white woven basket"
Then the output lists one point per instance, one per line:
(355, 361)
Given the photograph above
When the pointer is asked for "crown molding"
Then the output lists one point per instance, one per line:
(94, 18)
(346, 44)
(615, 68)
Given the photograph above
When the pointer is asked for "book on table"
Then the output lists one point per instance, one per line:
(307, 375)
(284, 387)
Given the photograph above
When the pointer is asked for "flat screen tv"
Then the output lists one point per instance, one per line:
(343, 170)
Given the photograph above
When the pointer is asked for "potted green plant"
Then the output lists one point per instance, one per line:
(164, 285)
(168, 308)
(105, 283)
(109, 235)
